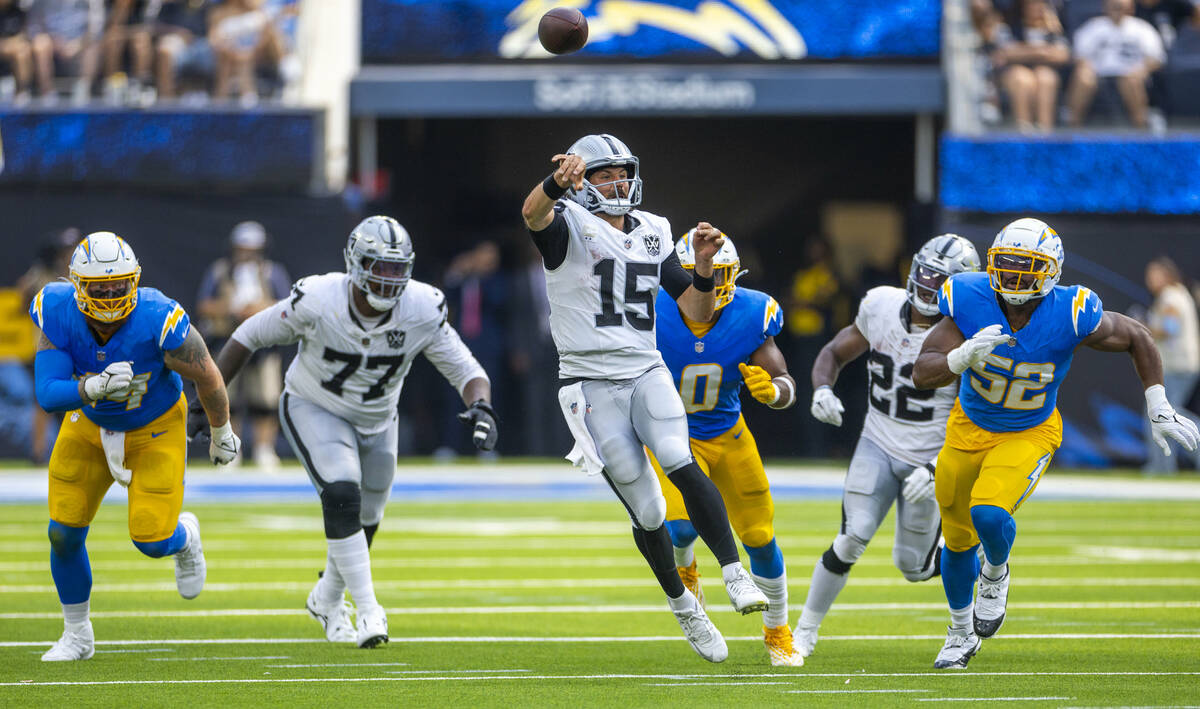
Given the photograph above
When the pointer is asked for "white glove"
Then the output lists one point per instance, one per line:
(918, 486)
(1165, 423)
(826, 407)
(115, 379)
(973, 351)
(224, 445)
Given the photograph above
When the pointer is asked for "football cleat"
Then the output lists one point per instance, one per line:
(372, 627)
(190, 568)
(334, 618)
(703, 636)
(744, 595)
(780, 647)
(991, 604)
(961, 645)
(805, 639)
(690, 576)
(76, 643)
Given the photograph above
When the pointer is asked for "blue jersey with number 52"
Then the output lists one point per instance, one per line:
(157, 325)
(705, 369)
(1016, 387)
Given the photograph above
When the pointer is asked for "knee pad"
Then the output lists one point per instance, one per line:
(342, 503)
(624, 467)
(154, 550)
(64, 540)
(833, 564)
(994, 525)
(758, 536)
(652, 515)
(682, 532)
(912, 565)
(849, 549)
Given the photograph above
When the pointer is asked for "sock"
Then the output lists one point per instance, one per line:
(75, 614)
(683, 602)
(776, 592)
(655, 546)
(822, 590)
(685, 556)
(353, 563)
(961, 617)
(959, 571)
(69, 564)
(331, 587)
(766, 560)
(706, 510)
(997, 531)
(993, 573)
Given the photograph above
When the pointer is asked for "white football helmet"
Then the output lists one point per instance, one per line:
(1029, 255)
(726, 266)
(940, 257)
(105, 274)
(600, 151)
(379, 259)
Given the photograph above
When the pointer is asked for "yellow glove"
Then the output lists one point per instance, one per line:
(761, 387)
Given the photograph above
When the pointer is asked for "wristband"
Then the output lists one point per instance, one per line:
(704, 284)
(1156, 398)
(930, 468)
(551, 188)
(782, 400)
(219, 432)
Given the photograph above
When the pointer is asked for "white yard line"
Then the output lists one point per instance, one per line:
(992, 699)
(251, 658)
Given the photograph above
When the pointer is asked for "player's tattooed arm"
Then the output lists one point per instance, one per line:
(845, 347)
(1121, 333)
(192, 361)
(932, 369)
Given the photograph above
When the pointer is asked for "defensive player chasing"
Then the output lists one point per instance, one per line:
(1004, 427)
(114, 353)
(604, 261)
(709, 361)
(896, 454)
(359, 332)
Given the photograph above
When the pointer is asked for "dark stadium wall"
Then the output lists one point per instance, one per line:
(1101, 401)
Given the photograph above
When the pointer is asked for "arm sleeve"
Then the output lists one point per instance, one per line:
(450, 355)
(54, 385)
(552, 241)
(674, 278)
(280, 324)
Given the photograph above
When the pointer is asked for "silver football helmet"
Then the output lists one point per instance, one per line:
(940, 257)
(600, 151)
(379, 259)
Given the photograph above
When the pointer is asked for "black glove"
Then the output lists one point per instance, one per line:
(197, 422)
(482, 418)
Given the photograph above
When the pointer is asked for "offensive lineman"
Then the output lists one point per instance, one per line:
(604, 262)
(904, 429)
(359, 332)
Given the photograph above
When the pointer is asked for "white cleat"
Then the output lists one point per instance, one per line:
(75, 644)
(703, 636)
(334, 619)
(781, 647)
(744, 595)
(372, 627)
(190, 568)
(961, 645)
(805, 639)
(991, 604)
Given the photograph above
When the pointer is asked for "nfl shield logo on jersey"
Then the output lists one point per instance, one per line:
(653, 243)
(395, 339)
(628, 243)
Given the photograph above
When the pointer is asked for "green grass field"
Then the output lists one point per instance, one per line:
(549, 604)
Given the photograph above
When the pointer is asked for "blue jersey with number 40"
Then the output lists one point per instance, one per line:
(157, 325)
(705, 369)
(1016, 387)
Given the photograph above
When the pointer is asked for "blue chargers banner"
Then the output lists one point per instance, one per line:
(404, 31)
(159, 147)
(1101, 174)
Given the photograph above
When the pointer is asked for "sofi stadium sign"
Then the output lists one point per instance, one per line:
(642, 93)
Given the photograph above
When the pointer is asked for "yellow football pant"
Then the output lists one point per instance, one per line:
(732, 462)
(79, 475)
(980, 467)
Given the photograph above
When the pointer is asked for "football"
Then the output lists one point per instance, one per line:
(563, 30)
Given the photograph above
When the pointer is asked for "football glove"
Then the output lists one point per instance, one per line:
(224, 444)
(481, 417)
(974, 350)
(115, 379)
(760, 384)
(826, 407)
(1165, 423)
(918, 486)
(197, 422)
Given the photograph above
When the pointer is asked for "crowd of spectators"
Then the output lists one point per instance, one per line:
(138, 52)
(1107, 53)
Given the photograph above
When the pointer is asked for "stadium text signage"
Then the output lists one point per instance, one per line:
(642, 93)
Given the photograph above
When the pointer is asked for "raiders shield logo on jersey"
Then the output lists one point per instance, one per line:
(653, 244)
(395, 339)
